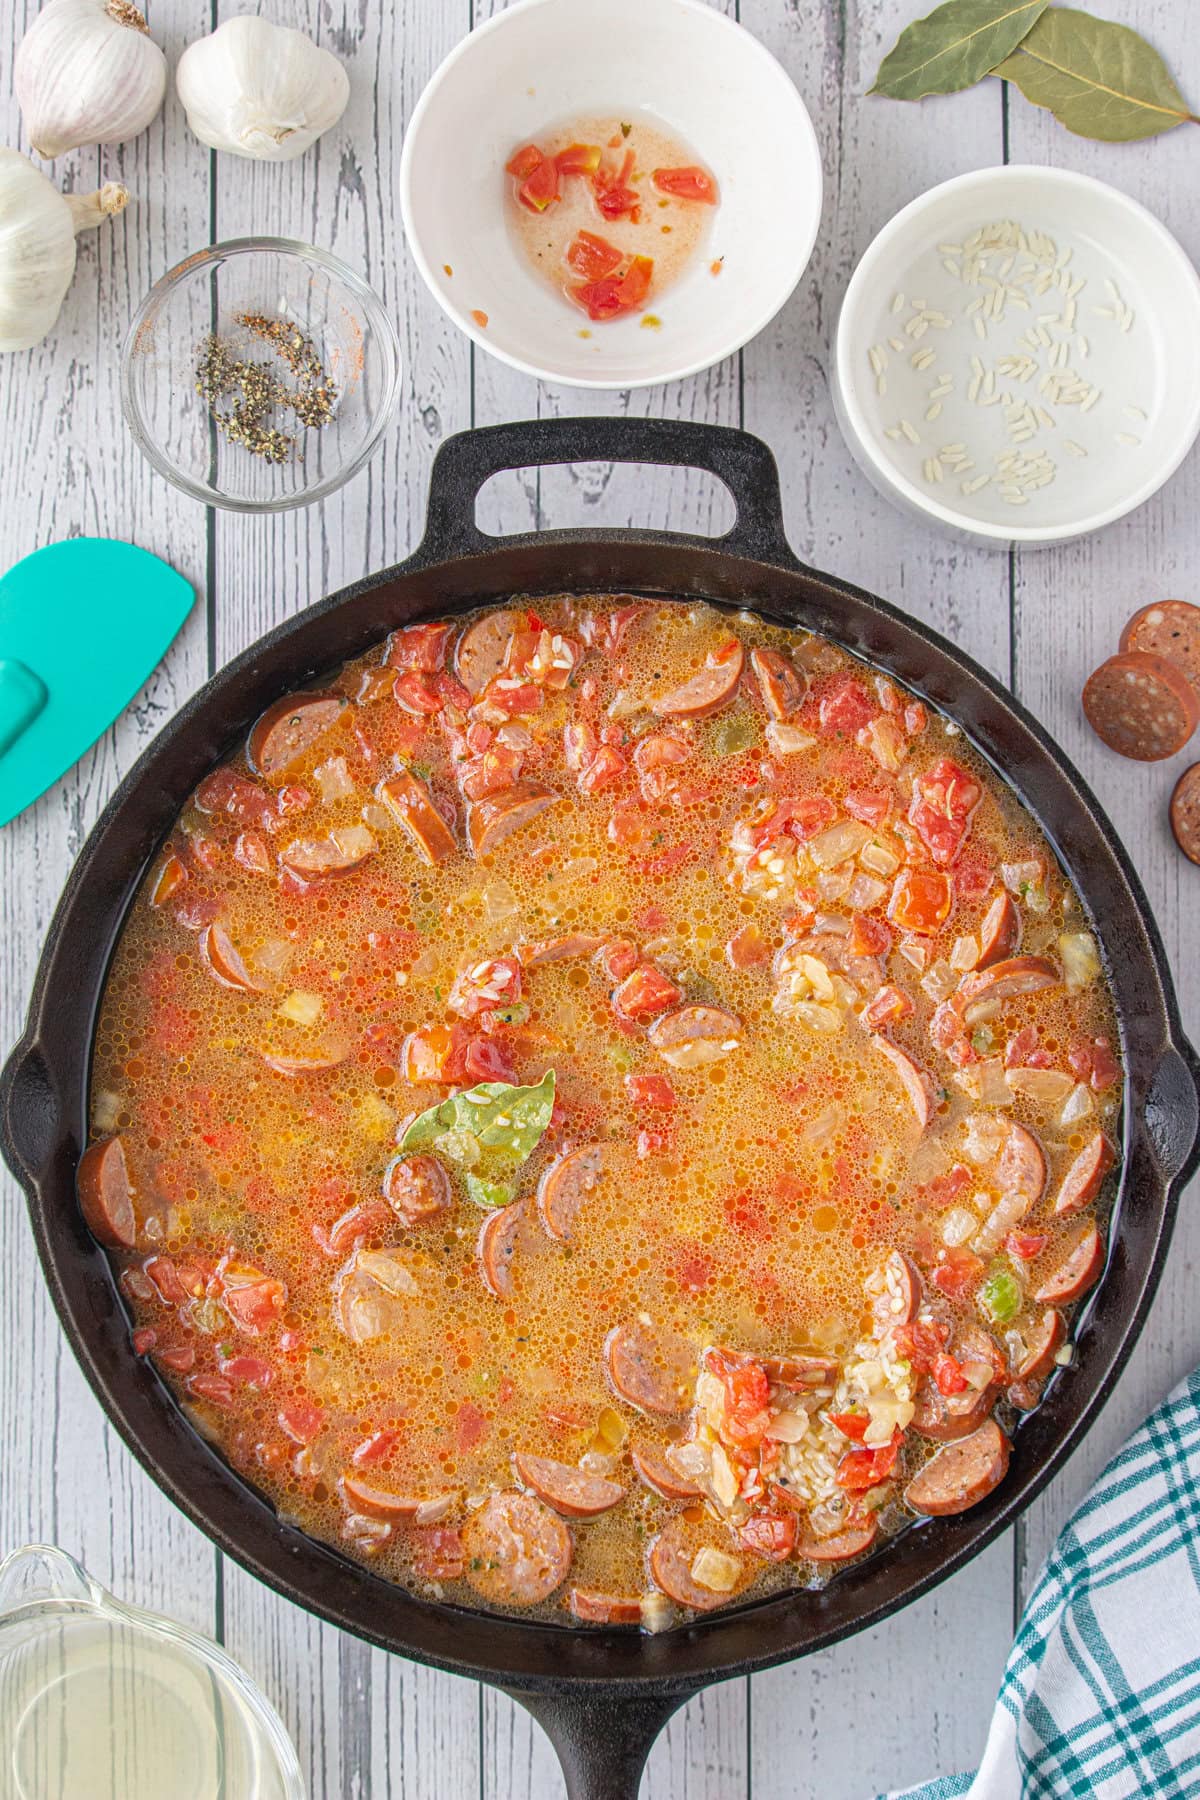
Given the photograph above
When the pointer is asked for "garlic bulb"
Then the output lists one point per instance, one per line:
(260, 90)
(37, 246)
(88, 72)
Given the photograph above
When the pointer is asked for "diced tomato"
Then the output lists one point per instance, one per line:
(948, 1375)
(632, 825)
(525, 161)
(689, 183)
(251, 1370)
(486, 1060)
(808, 815)
(581, 741)
(1025, 1245)
(747, 948)
(657, 759)
(944, 798)
(251, 852)
(483, 986)
(846, 707)
(421, 647)
(516, 699)
(579, 159)
(889, 1005)
(252, 1300)
(653, 1143)
(868, 936)
(747, 1394)
(437, 1552)
(772, 1535)
(958, 1274)
(177, 1357)
(224, 791)
(470, 1426)
(650, 1090)
(920, 901)
(618, 958)
(869, 805)
(693, 1271)
(417, 694)
(434, 1055)
(374, 1449)
(144, 1340)
(537, 179)
(608, 765)
(616, 294)
(943, 1190)
(667, 861)
(593, 257)
(451, 690)
(490, 773)
(921, 1342)
(213, 1388)
(974, 875)
(851, 1424)
(646, 993)
(1092, 1061)
(863, 1469)
(916, 718)
(614, 196)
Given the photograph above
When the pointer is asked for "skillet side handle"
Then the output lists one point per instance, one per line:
(743, 462)
(29, 1112)
(1171, 1111)
(601, 1743)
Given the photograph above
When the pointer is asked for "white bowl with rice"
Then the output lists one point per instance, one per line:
(1018, 356)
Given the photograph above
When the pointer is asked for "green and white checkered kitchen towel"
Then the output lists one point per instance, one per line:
(1101, 1695)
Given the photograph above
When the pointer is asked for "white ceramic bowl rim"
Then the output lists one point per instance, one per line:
(857, 293)
(808, 148)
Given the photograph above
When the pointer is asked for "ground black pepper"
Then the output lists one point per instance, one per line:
(247, 398)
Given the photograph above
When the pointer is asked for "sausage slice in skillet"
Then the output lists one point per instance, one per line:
(917, 1085)
(1047, 1336)
(567, 948)
(565, 1186)
(570, 1491)
(656, 1473)
(651, 1373)
(283, 1064)
(417, 1188)
(694, 1035)
(708, 691)
(106, 1194)
(1078, 1271)
(377, 1502)
(497, 1245)
(903, 1289)
(595, 1608)
(343, 850)
(852, 1540)
(961, 1474)
(801, 1372)
(287, 731)
(223, 960)
(1081, 1183)
(947, 1417)
(517, 1550)
(1008, 979)
(679, 1549)
(411, 805)
(482, 649)
(1021, 1169)
(779, 682)
(497, 816)
(1000, 932)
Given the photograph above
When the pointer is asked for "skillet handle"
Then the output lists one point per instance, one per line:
(743, 462)
(29, 1111)
(1171, 1112)
(602, 1743)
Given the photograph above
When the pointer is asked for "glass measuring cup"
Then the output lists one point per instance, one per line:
(102, 1701)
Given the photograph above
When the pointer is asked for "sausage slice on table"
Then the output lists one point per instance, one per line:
(411, 804)
(106, 1194)
(1170, 629)
(1078, 1271)
(565, 1186)
(1081, 1183)
(595, 1608)
(1141, 706)
(497, 816)
(961, 1475)
(708, 691)
(497, 1246)
(684, 1560)
(651, 1372)
(1000, 932)
(779, 682)
(287, 731)
(482, 649)
(1185, 813)
(570, 1491)
(516, 1550)
(656, 1473)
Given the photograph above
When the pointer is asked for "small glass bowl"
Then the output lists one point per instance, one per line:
(279, 278)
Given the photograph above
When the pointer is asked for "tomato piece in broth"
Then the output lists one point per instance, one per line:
(691, 183)
(593, 257)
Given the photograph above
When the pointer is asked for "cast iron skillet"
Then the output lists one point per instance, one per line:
(601, 1695)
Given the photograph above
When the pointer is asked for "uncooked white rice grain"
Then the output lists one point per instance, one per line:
(933, 412)
(1073, 447)
(973, 487)
(897, 303)
(910, 431)
(1127, 437)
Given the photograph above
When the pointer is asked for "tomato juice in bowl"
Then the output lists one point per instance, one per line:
(686, 72)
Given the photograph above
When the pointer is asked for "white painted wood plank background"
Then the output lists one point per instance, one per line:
(914, 1696)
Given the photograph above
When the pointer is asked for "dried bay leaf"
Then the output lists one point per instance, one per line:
(954, 47)
(1099, 79)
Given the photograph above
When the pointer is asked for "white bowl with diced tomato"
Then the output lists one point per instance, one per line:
(689, 70)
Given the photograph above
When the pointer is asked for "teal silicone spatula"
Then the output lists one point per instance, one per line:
(83, 624)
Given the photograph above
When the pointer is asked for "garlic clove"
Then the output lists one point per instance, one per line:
(260, 90)
(88, 72)
(37, 246)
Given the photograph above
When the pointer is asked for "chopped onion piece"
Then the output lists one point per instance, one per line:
(940, 982)
(713, 1570)
(788, 740)
(840, 841)
(878, 858)
(1081, 959)
(1078, 1105)
(1048, 1087)
(304, 1009)
(965, 953)
(334, 780)
(959, 1226)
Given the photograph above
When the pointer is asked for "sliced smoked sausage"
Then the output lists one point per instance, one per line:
(516, 1550)
(779, 682)
(596, 1608)
(694, 1035)
(917, 1085)
(287, 731)
(1044, 1341)
(1078, 1271)
(343, 850)
(377, 1502)
(1010, 979)
(1021, 1167)
(656, 1473)
(650, 1371)
(106, 1194)
(1141, 706)
(223, 960)
(708, 691)
(417, 1188)
(570, 1491)
(674, 1555)
(565, 1186)
(853, 1539)
(961, 1475)
(497, 1246)
(411, 804)
(1170, 629)
(900, 1299)
(497, 816)
(482, 649)
(1000, 932)
(1185, 813)
(1081, 1183)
